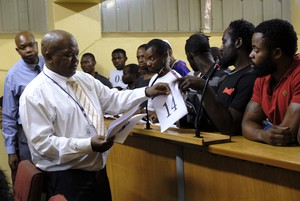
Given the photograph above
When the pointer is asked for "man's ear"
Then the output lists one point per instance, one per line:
(48, 57)
(238, 43)
(276, 53)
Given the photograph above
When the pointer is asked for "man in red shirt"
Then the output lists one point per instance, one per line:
(273, 114)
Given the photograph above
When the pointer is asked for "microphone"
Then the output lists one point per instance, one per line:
(160, 73)
(199, 112)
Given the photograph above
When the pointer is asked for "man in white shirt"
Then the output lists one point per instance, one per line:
(62, 139)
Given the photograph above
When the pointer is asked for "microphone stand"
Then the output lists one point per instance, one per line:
(200, 109)
(147, 113)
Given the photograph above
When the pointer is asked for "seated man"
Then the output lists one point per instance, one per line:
(145, 73)
(201, 60)
(88, 63)
(118, 58)
(273, 114)
(157, 58)
(226, 109)
(178, 65)
(130, 75)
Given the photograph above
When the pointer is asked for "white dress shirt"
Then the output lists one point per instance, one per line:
(55, 126)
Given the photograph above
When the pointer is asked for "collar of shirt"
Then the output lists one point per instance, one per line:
(32, 66)
(247, 68)
(291, 68)
(61, 80)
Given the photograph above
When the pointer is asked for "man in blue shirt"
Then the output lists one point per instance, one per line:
(178, 65)
(17, 78)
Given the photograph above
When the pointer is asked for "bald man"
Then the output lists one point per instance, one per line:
(17, 78)
(64, 141)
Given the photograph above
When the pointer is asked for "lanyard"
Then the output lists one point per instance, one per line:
(77, 103)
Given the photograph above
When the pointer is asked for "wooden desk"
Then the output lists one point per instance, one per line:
(152, 166)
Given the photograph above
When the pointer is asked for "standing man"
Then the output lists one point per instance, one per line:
(88, 63)
(226, 109)
(273, 114)
(17, 78)
(62, 110)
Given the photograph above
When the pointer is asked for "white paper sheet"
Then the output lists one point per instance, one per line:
(115, 77)
(121, 127)
(171, 108)
(127, 127)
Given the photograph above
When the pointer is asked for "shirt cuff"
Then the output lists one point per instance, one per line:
(83, 145)
(140, 92)
(10, 149)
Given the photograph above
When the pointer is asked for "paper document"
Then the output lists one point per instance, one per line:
(115, 77)
(121, 127)
(171, 108)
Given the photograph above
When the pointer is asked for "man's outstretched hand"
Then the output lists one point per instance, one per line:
(158, 89)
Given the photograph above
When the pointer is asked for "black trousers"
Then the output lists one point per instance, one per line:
(79, 185)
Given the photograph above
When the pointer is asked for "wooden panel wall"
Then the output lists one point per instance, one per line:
(143, 170)
(214, 177)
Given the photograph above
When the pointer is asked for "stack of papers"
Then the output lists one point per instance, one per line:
(121, 127)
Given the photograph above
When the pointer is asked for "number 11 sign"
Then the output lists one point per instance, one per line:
(171, 108)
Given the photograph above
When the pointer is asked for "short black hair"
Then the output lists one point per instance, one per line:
(133, 69)
(88, 54)
(244, 30)
(142, 46)
(160, 46)
(279, 34)
(119, 50)
(197, 43)
(168, 44)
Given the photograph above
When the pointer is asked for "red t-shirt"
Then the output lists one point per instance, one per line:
(286, 91)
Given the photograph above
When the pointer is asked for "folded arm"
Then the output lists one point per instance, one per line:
(279, 135)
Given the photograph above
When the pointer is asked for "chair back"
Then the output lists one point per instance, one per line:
(29, 182)
(58, 197)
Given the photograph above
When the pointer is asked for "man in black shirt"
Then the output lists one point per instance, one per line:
(201, 60)
(88, 63)
(227, 107)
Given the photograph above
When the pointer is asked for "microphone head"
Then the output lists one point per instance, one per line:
(161, 71)
(217, 65)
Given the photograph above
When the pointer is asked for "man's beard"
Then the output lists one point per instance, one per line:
(267, 67)
(225, 63)
(162, 67)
